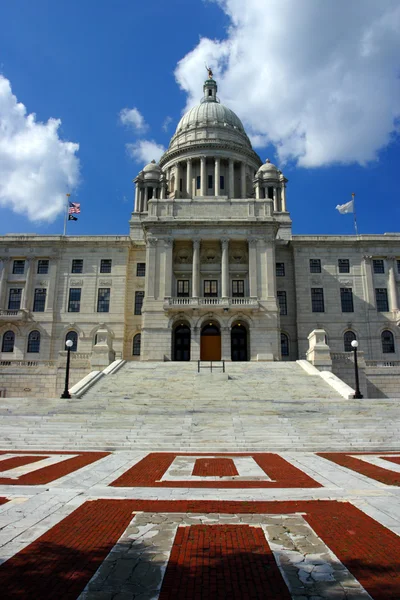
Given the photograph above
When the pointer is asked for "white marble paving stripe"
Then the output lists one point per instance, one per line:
(378, 461)
(31, 468)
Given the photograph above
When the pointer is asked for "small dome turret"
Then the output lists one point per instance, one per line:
(152, 170)
(268, 171)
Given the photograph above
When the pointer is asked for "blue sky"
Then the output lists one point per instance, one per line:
(310, 103)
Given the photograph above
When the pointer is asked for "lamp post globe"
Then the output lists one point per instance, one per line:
(66, 394)
(357, 395)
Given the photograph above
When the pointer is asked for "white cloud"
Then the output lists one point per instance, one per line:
(319, 80)
(144, 151)
(133, 118)
(167, 123)
(37, 168)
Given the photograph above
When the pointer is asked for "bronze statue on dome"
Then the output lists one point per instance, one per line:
(210, 73)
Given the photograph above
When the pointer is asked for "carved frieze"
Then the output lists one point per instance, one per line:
(76, 281)
(105, 282)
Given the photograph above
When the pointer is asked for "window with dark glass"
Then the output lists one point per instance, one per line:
(140, 269)
(284, 344)
(282, 302)
(33, 342)
(398, 266)
(280, 269)
(210, 288)
(379, 265)
(270, 193)
(238, 288)
(18, 267)
(39, 300)
(43, 266)
(344, 265)
(103, 300)
(183, 288)
(382, 304)
(346, 298)
(138, 302)
(73, 336)
(105, 265)
(77, 265)
(317, 300)
(14, 299)
(74, 301)
(8, 342)
(387, 339)
(210, 181)
(136, 345)
(221, 182)
(349, 337)
(315, 265)
(198, 182)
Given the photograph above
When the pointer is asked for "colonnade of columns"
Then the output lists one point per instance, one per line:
(278, 194)
(148, 191)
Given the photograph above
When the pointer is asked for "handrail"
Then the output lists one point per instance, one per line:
(210, 366)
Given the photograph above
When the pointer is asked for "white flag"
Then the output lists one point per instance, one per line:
(346, 208)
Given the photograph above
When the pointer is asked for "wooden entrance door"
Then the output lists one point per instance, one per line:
(210, 344)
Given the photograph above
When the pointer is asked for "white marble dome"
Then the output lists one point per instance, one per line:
(210, 114)
(268, 171)
(152, 170)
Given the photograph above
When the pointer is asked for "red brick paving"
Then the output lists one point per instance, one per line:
(393, 459)
(3, 500)
(222, 561)
(18, 461)
(149, 471)
(60, 563)
(378, 473)
(214, 467)
(47, 474)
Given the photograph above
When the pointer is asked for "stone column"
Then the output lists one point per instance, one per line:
(189, 177)
(269, 250)
(168, 266)
(27, 289)
(253, 267)
(162, 192)
(369, 282)
(283, 196)
(243, 180)
(258, 195)
(196, 269)
(231, 179)
(203, 176)
(178, 175)
(394, 303)
(51, 290)
(3, 281)
(275, 196)
(136, 198)
(217, 173)
(146, 199)
(151, 273)
(225, 267)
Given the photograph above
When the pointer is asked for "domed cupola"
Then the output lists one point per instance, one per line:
(270, 183)
(150, 184)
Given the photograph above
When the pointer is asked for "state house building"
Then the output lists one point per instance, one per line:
(210, 268)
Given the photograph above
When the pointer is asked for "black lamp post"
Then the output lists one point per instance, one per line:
(358, 395)
(66, 393)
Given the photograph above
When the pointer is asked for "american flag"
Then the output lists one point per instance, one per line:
(74, 208)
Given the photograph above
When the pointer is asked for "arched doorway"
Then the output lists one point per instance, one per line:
(239, 343)
(182, 342)
(210, 342)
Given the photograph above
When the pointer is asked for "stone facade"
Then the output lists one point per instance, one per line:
(210, 244)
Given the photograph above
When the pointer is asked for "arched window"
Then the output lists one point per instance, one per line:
(136, 345)
(34, 341)
(284, 344)
(8, 342)
(348, 337)
(387, 342)
(73, 336)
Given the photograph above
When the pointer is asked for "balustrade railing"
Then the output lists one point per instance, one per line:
(382, 363)
(210, 301)
(28, 363)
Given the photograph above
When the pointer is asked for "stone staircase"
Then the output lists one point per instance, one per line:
(168, 406)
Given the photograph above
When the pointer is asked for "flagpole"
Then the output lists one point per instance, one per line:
(354, 212)
(66, 214)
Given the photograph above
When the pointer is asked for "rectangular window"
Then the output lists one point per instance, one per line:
(43, 267)
(317, 300)
(14, 299)
(210, 288)
(221, 182)
(183, 288)
(210, 181)
(280, 269)
(103, 300)
(105, 265)
(346, 298)
(398, 266)
(198, 182)
(74, 300)
(238, 288)
(344, 265)
(315, 265)
(379, 265)
(382, 304)
(77, 265)
(39, 300)
(282, 302)
(140, 269)
(18, 267)
(138, 302)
